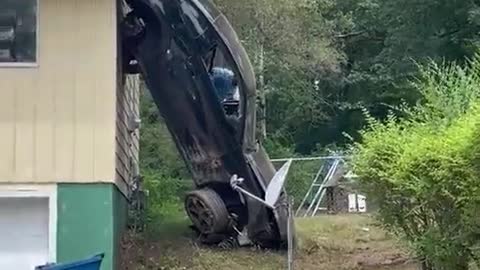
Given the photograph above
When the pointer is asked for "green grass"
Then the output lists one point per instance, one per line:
(329, 242)
(348, 242)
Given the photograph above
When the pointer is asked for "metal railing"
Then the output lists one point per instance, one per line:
(324, 176)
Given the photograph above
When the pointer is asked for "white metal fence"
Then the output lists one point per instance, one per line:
(328, 171)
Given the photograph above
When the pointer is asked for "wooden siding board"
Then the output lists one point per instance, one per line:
(7, 129)
(121, 166)
(122, 134)
(123, 152)
(105, 127)
(44, 126)
(24, 131)
(127, 142)
(120, 176)
(64, 124)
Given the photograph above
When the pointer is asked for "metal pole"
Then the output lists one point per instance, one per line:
(313, 202)
(320, 188)
(290, 233)
(309, 158)
(333, 170)
(310, 189)
(237, 188)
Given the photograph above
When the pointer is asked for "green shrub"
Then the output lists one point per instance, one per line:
(165, 177)
(424, 171)
(164, 200)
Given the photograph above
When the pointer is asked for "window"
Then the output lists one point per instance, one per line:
(18, 31)
(228, 88)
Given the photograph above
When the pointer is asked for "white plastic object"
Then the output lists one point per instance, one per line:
(275, 186)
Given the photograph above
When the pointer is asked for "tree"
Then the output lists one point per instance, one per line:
(385, 38)
(292, 48)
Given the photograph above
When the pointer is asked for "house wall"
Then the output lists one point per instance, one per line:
(126, 137)
(64, 126)
(57, 119)
(93, 226)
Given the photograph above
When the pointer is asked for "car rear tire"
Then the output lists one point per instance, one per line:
(207, 211)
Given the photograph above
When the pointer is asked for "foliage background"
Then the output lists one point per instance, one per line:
(422, 170)
(325, 64)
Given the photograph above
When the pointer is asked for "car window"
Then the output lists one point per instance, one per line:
(228, 88)
(18, 31)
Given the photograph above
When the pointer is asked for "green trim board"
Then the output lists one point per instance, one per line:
(120, 211)
(91, 218)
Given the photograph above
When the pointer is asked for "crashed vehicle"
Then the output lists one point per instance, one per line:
(203, 84)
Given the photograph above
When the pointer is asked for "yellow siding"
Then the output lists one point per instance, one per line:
(57, 120)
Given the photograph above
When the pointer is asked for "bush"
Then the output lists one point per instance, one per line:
(164, 200)
(165, 176)
(424, 172)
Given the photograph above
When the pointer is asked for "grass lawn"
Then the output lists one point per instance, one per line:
(326, 243)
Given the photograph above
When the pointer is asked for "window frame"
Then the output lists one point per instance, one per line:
(37, 46)
(39, 191)
(222, 51)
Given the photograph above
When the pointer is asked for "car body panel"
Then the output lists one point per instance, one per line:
(172, 57)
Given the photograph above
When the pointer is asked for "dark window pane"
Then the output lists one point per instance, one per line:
(18, 31)
(227, 87)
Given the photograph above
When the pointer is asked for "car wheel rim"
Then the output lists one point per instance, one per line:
(200, 214)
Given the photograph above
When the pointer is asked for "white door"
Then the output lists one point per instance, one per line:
(362, 203)
(352, 203)
(23, 233)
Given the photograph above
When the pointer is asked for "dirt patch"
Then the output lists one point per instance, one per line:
(137, 253)
(328, 243)
(368, 259)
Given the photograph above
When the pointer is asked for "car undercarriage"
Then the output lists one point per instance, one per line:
(203, 84)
